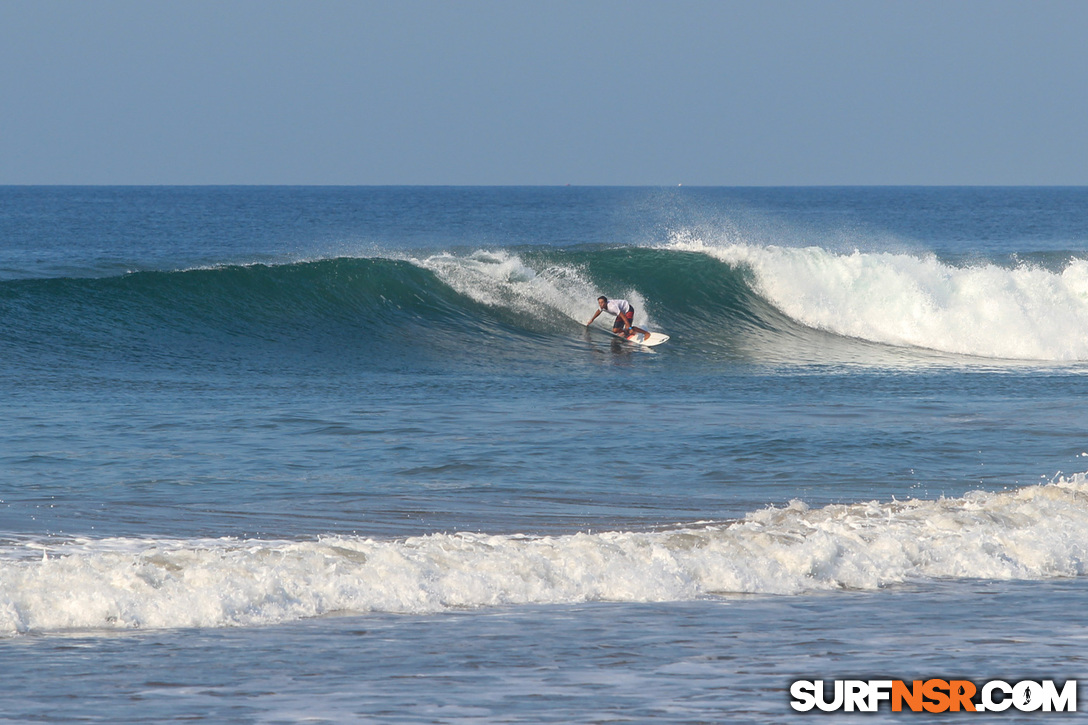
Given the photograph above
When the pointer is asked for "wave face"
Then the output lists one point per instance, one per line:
(737, 301)
(231, 313)
(380, 309)
(1036, 532)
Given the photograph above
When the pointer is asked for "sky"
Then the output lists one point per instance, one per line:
(544, 92)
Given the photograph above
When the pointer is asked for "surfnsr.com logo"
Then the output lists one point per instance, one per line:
(934, 695)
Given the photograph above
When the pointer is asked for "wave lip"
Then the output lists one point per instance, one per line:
(986, 310)
(1035, 532)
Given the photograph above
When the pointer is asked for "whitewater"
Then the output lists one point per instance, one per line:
(1024, 311)
(278, 454)
(1036, 532)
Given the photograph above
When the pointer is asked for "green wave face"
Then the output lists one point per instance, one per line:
(393, 304)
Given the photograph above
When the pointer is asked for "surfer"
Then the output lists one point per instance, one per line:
(624, 312)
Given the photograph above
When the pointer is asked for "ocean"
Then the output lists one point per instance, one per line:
(323, 454)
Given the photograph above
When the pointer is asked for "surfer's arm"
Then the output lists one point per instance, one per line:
(591, 319)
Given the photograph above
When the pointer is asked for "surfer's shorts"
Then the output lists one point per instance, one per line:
(618, 324)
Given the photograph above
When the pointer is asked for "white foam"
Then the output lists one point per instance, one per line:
(502, 279)
(1026, 313)
(1035, 532)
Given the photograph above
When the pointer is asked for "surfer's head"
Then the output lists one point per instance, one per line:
(602, 302)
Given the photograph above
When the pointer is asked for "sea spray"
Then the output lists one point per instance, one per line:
(502, 279)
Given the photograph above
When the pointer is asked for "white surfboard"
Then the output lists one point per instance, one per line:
(654, 338)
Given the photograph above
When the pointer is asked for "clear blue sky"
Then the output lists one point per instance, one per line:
(778, 92)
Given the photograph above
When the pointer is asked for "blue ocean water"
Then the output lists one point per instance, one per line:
(352, 455)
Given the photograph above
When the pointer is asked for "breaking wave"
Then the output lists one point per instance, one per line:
(734, 300)
(1031, 533)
